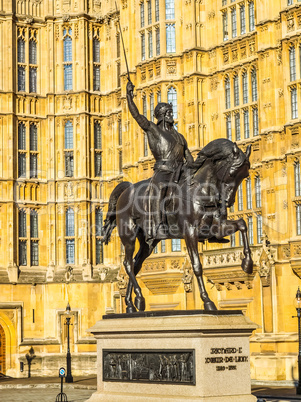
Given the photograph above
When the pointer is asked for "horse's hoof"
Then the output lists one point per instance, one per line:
(140, 303)
(209, 306)
(247, 265)
(131, 309)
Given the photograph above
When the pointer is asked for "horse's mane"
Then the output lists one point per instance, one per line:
(221, 149)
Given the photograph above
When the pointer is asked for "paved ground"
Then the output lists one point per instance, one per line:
(45, 395)
(276, 394)
(46, 389)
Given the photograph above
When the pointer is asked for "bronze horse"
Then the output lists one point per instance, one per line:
(195, 210)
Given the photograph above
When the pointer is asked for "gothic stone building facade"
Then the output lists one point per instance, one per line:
(231, 68)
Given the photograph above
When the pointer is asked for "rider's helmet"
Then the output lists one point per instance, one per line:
(161, 109)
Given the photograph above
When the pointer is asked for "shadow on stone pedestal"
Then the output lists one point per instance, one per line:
(174, 356)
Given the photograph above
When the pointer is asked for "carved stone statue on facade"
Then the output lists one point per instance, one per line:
(185, 199)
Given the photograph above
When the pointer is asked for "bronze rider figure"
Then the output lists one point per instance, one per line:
(170, 151)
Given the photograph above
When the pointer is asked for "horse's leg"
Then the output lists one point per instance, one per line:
(230, 227)
(144, 251)
(191, 240)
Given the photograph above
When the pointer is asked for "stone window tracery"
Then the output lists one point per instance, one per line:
(67, 61)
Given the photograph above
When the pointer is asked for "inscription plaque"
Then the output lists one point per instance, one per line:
(158, 366)
(226, 355)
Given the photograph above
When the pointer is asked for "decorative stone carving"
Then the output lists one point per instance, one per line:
(175, 264)
(29, 20)
(50, 272)
(267, 261)
(13, 272)
(243, 52)
(66, 17)
(171, 67)
(154, 266)
(286, 251)
(87, 271)
(213, 83)
(122, 284)
(290, 23)
(97, 5)
(234, 54)
(252, 46)
(187, 280)
(69, 274)
(226, 56)
(67, 103)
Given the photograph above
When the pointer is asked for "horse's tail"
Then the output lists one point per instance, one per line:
(110, 221)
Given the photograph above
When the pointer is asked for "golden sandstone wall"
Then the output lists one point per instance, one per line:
(67, 139)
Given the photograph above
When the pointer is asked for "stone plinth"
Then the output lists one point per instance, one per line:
(186, 356)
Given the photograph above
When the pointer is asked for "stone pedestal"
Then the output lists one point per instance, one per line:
(176, 356)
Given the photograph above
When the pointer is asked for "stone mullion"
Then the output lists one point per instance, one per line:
(47, 86)
(2, 25)
(75, 65)
(59, 87)
(78, 238)
(90, 51)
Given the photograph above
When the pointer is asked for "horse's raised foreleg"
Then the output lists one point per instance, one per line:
(191, 240)
(230, 227)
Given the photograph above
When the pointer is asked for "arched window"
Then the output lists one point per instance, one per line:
(68, 71)
(259, 229)
(96, 50)
(245, 87)
(258, 192)
(251, 16)
(240, 198)
(234, 23)
(227, 93)
(68, 45)
(152, 105)
(68, 135)
(169, 9)
(292, 61)
(250, 230)
(236, 90)
(69, 222)
(33, 140)
(246, 124)
(254, 85)
(225, 26)
(170, 38)
(142, 16)
(173, 99)
(294, 102)
(249, 193)
(97, 135)
(297, 179)
(32, 52)
(298, 219)
(237, 127)
(22, 136)
(242, 19)
(229, 127)
(69, 160)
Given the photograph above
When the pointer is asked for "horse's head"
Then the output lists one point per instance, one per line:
(229, 164)
(234, 171)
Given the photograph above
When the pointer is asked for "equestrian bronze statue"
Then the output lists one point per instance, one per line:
(185, 199)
